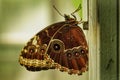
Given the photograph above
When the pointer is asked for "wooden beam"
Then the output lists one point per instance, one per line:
(107, 18)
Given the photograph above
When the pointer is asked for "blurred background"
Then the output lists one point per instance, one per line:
(20, 20)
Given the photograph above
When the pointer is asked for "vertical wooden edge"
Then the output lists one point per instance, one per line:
(85, 10)
(94, 61)
(85, 14)
(118, 40)
(0, 11)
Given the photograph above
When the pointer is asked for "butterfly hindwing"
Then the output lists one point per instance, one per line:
(33, 56)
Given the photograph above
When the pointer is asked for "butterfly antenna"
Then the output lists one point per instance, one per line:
(58, 11)
(79, 7)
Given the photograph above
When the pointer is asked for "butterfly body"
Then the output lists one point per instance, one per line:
(59, 46)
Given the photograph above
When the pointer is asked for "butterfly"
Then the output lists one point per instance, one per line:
(61, 45)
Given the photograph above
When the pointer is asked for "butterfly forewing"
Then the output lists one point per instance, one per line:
(69, 49)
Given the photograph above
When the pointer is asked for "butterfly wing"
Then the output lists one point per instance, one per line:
(62, 46)
(69, 49)
(33, 55)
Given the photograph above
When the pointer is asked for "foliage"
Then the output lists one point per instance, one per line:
(76, 3)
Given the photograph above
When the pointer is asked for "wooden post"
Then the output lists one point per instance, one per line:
(93, 40)
(108, 19)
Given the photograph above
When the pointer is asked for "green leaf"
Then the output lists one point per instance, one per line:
(76, 3)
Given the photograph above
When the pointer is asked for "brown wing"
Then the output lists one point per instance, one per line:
(33, 56)
(69, 49)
